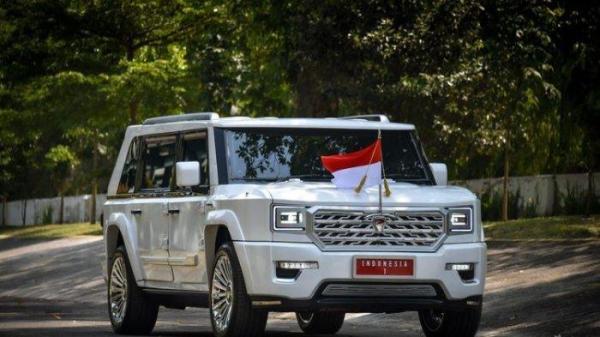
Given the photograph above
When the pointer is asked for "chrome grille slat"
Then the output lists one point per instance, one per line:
(348, 229)
(380, 290)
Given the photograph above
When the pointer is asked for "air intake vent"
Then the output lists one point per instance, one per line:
(380, 290)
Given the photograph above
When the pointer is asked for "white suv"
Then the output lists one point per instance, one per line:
(239, 215)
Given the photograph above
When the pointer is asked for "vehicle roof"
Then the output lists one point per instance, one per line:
(324, 123)
(274, 122)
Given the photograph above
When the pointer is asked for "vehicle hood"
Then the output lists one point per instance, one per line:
(321, 193)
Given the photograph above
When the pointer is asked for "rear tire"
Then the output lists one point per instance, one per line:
(231, 312)
(320, 322)
(130, 312)
(437, 323)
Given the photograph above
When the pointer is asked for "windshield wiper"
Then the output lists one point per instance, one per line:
(268, 180)
(302, 177)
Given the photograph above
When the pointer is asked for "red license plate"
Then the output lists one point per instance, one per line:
(384, 267)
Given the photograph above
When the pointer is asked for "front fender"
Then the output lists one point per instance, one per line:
(119, 222)
(227, 218)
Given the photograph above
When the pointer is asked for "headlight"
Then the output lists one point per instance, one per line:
(289, 218)
(460, 219)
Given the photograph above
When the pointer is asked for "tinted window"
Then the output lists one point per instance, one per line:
(195, 149)
(273, 154)
(127, 181)
(159, 162)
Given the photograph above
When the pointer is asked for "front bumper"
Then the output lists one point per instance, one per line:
(258, 263)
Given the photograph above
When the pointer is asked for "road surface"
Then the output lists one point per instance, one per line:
(55, 288)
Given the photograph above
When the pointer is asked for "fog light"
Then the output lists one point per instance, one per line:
(459, 266)
(298, 265)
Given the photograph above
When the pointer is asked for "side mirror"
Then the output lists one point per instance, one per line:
(440, 173)
(187, 173)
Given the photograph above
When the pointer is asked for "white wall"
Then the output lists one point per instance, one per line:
(39, 211)
(538, 190)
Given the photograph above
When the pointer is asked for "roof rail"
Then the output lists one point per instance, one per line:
(194, 116)
(371, 118)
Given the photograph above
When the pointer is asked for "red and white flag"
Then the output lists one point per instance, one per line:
(349, 169)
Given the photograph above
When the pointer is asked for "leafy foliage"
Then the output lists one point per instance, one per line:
(486, 82)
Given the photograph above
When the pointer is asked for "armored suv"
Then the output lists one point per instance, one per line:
(239, 215)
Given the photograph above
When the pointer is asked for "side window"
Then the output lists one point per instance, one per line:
(195, 148)
(158, 157)
(127, 181)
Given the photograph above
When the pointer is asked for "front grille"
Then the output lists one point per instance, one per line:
(379, 290)
(390, 230)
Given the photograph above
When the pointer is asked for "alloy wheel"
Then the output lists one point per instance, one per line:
(118, 290)
(222, 293)
(305, 317)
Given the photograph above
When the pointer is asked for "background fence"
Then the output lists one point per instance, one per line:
(45, 211)
(530, 196)
(540, 195)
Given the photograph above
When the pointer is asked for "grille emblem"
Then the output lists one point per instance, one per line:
(378, 222)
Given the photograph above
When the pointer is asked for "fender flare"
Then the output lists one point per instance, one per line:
(216, 220)
(227, 218)
(118, 223)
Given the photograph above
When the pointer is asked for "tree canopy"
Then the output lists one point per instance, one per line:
(492, 86)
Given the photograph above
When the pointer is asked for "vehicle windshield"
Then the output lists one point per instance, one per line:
(280, 154)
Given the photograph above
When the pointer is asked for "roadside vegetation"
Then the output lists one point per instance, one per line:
(560, 227)
(54, 231)
(495, 87)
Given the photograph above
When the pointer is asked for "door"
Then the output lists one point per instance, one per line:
(151, 209)
(186, 235)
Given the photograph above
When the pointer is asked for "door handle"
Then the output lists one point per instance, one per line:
(173, 211)
(136, 211)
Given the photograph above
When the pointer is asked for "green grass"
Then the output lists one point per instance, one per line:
(50, 231)
(560, 227)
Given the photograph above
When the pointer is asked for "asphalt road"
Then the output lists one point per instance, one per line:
(55, 288)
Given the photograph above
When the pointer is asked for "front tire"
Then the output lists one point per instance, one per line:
(231, 312)
(130, 312)
(437, 323)
(320, 322)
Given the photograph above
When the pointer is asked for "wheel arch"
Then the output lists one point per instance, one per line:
(214, 236)
(116, 233)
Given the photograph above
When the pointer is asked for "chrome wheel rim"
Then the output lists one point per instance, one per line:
(305, 317)
(222, 293)
(434, 319)
(118, 290)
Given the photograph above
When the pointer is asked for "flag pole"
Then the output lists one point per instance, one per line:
(380, 201)
(386, 186)
(379, 185)
(363, 180)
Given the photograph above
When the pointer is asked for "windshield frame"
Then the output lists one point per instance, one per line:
(222, 160)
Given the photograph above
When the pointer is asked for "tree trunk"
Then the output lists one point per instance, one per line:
(555, 197)
(94, 184)
(24, 212)
(4, 205)
(61, 217)
(590, 193)
(133, 102)
(133, 111)
(505, 179)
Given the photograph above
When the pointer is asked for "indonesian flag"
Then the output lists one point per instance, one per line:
(349, 169)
